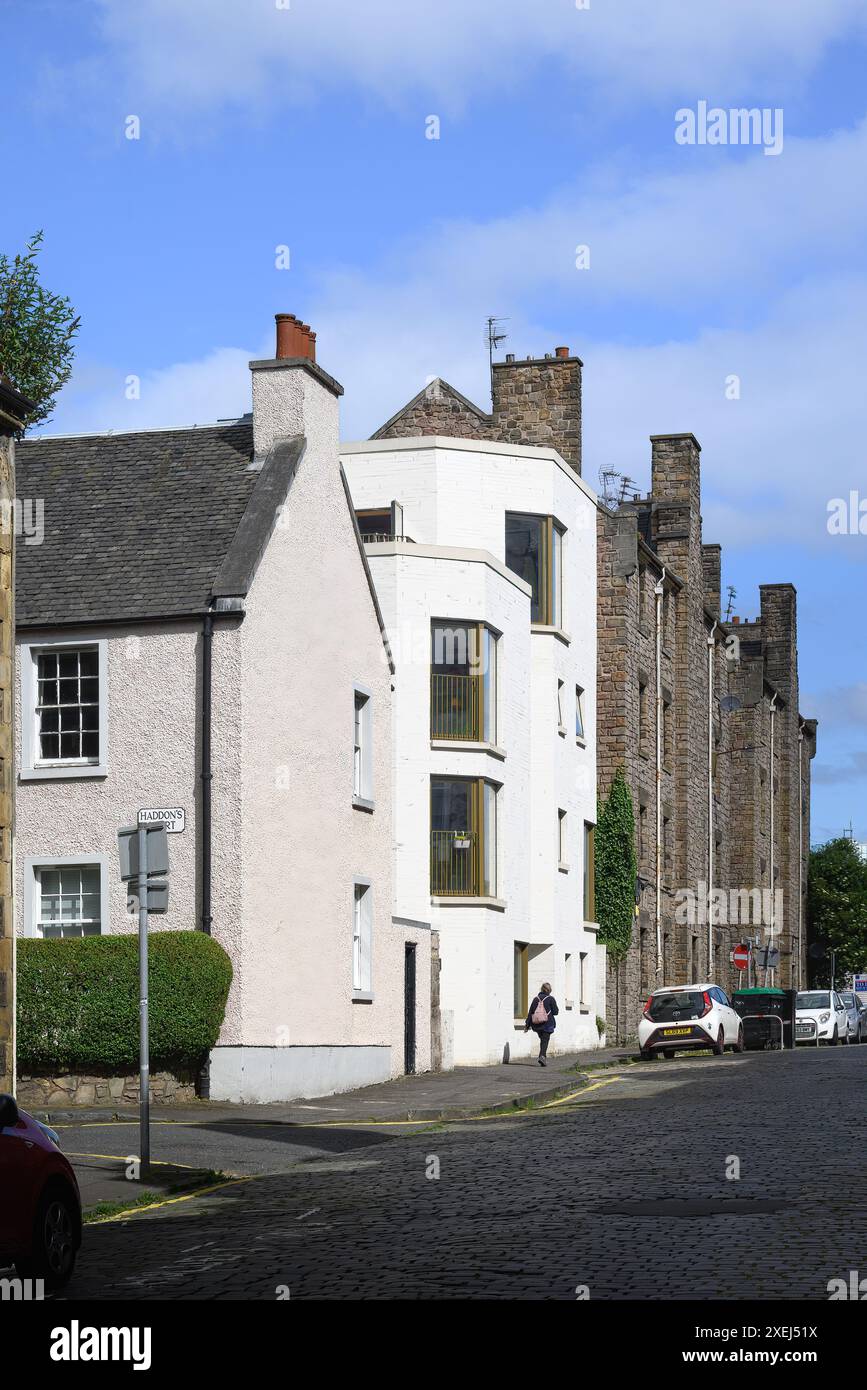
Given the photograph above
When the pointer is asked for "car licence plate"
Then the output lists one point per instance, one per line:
(676, 1032)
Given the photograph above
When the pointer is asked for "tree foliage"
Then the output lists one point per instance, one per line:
(616, 868)
(37, 332)
(837, 908)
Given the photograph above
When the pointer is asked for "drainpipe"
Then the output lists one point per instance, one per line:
(206, 773)
(658, 591)
(773, 843)
(800, 853)
(711, 651)
(203, 1081)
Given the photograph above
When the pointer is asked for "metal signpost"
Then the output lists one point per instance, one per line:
(144, 857)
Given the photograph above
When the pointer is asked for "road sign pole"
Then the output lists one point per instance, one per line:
(144, 1059)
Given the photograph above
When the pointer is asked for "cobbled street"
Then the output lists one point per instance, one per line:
(623, 1186)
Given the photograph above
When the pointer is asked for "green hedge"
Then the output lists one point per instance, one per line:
(78, 1002)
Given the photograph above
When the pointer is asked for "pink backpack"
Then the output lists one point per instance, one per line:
(540, 1013)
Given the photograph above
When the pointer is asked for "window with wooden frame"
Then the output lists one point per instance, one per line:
(463, 850)
(520, 978)
(463, 682)
(534, 551)
(589, 872)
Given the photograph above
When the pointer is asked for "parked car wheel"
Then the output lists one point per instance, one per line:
(834, 1041)
(668, 1054)
(54, 1241)
(719, 1046)
(740, 1044)
(645, 1055)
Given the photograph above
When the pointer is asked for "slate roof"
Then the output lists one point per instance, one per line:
(136, 525)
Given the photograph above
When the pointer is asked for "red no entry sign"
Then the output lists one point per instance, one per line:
(741, 957)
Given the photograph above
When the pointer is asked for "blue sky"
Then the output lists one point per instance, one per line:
(303, 124)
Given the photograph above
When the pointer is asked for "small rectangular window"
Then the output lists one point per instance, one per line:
(667, 734)
(583, 981)
(561, 721)
(579, 712)
(362, 754)
(520, 976)
(570, 981)
(67, 705)
(534, 551)
(362, 939)
(643, 723)
(69, 900)
(589, 872)
(463, 697)
(375, 524)
(562, 840)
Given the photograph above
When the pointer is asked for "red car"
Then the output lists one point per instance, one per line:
(40, 1205)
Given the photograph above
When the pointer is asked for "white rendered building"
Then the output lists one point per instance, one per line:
(483, 556)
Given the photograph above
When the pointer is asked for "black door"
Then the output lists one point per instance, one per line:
(409, 1010)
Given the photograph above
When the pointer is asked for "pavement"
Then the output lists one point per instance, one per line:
(190, 1141)
(700, 1178)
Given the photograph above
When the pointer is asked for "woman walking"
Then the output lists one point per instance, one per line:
(542, 1019)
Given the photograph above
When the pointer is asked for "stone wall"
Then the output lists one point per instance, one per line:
(14, 409)
(760, 670)
(538, 402)
(53, 1092)
(438, 409)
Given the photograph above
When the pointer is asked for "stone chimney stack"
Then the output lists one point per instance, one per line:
(711, 559)
(14, 410)
(292, 394)
(538, 402)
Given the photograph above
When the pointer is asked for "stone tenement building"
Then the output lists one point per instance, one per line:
(701, 714)
(703, 717)
(14, 409)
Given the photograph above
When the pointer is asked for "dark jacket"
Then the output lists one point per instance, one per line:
(551, 1005)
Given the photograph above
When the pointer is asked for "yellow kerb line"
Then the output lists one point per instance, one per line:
(170, 1201)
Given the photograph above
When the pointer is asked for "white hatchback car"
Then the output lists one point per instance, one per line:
(689, 1016)
(820, 1014)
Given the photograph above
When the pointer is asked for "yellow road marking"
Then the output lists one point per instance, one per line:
(131, 1158)
(170, 1201)
(585, 1090)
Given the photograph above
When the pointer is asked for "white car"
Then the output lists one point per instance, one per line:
(857, 1011)
(689, 1016)
(821, 1014)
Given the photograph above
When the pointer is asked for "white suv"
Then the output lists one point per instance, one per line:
(689, 1016)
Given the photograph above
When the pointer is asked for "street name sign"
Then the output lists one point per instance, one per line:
(174, 818)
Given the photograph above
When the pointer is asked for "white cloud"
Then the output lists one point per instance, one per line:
(202, 54)
(184, 393)
(717, 245)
